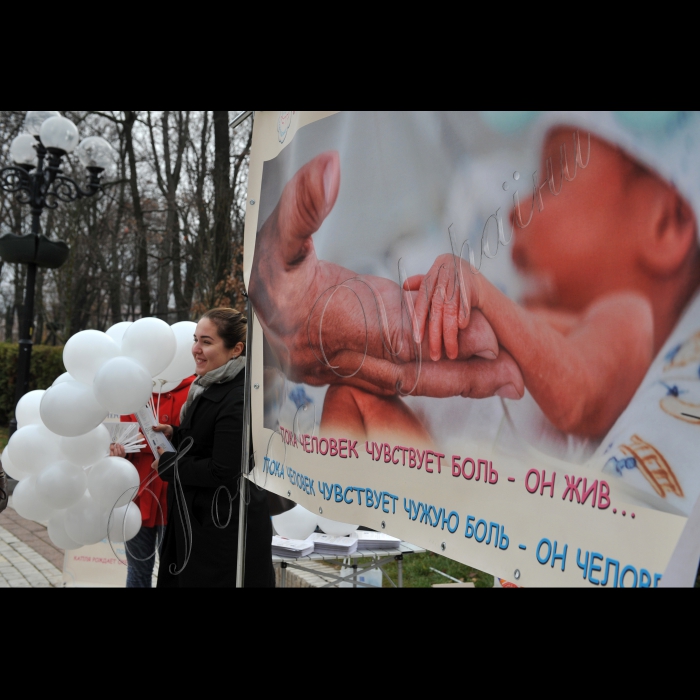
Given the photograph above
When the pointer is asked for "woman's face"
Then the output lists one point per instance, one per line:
(209, 351)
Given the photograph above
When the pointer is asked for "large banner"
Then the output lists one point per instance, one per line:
(480, 332)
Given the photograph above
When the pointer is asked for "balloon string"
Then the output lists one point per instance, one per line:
(159, 537)
(160, 393)
(180, 502)
(182, 508)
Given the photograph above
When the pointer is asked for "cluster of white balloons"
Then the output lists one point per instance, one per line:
(60, 451)
(298, 523)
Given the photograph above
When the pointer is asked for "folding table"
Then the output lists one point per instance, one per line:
(379, 559)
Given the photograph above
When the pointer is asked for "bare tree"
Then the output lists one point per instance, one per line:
(164, 237)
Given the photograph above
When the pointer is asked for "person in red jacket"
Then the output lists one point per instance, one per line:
(152, 495)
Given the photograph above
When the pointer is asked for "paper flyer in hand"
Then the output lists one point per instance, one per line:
(155, 440)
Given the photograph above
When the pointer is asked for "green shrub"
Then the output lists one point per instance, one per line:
(47, 364)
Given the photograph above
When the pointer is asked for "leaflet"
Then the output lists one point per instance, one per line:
(291, 549)
(155, 440)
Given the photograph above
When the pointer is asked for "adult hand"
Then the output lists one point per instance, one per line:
(167, 430)
(117, 450)
(154, 465)
(328, 325)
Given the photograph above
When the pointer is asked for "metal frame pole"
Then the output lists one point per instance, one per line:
(245, 452)
(238, 119)
(283, 574)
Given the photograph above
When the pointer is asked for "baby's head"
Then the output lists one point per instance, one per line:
(617, 225)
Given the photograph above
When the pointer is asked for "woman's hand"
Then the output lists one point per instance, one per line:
(160, 450)
(117, 450)
(167, 430)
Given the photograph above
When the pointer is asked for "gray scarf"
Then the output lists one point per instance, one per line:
(221, 375)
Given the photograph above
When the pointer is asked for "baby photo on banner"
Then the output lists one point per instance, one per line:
(480, 332)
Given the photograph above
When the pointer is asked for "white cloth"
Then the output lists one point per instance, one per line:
(652, 450)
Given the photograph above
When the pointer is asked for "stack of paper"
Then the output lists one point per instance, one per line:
(334, 546)
(376, 540)
(291, 549)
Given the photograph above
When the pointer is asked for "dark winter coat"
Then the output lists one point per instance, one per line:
(215, 422)
(4, 496)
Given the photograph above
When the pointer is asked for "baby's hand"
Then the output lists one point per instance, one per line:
(445, 296)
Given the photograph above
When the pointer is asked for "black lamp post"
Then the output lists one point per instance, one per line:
(36, 179)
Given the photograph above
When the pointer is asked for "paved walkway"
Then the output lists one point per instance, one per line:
(28, 558)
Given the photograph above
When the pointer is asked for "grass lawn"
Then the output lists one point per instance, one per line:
(3, 437)
(417, 573)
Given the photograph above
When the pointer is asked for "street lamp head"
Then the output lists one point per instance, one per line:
(95, 154)
(59, 135)
(23, 151)
(34, 120)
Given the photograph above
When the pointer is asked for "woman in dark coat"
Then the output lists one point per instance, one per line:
(213, 417)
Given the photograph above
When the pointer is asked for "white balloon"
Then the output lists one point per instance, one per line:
(116, 332)
(57, 531)
(62, 484)
(33, 448)
(10, 469)
(87, 449)
(86, 352)
(28, 503)
(296, 524)
(122, 386)
(151, 342)
(27, 411)
(113, 482)
(86, 521)
(65, 377)
(335, 528)
(124, 523)
(71, 409)
(183, 364)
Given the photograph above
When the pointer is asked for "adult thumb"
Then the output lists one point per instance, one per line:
(306, 201)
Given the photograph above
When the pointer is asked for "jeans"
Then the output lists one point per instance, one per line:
(141, 556)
